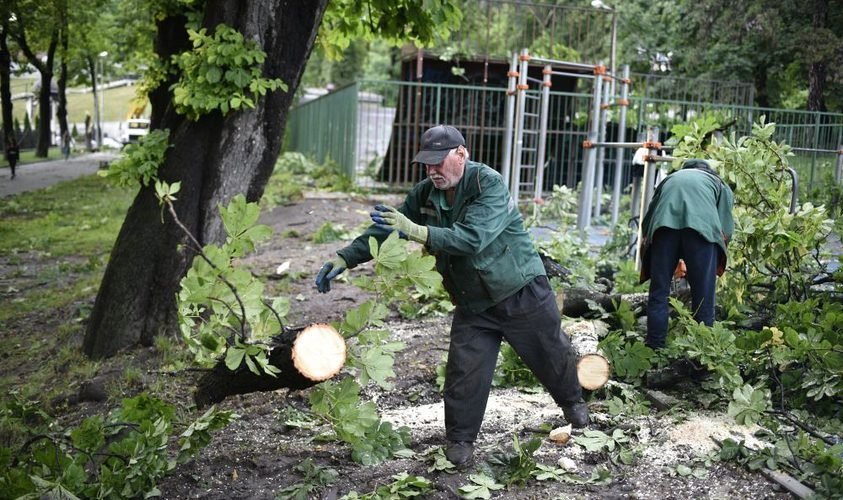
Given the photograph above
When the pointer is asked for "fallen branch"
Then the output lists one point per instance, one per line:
(304, 357)
(787, 481)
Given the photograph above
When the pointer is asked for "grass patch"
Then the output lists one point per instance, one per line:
(80, 217)
(56, 242)
(116, 104)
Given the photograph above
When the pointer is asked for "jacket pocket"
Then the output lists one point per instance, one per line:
(500, 274)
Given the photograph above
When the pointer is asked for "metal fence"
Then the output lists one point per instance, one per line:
(371, 129)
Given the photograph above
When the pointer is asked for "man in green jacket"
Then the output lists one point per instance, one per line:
(689, 218)
(463, 214)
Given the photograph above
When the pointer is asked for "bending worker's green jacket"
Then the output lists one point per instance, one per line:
(482, 250)
(690, 198)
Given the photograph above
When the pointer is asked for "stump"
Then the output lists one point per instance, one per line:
(305, 357)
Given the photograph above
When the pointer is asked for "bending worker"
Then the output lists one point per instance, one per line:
(463, 214)
(689, 218)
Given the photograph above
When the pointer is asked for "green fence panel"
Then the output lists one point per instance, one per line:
(325, 129)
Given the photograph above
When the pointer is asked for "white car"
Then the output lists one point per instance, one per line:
(135, 129)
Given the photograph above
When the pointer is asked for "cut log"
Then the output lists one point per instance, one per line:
(305, 357)
(593, 369)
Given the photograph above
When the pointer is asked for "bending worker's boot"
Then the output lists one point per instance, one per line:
(460, 453)
(576, 414)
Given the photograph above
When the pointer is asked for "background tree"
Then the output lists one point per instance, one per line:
(34, 26)
(220, 153)
(784, 47)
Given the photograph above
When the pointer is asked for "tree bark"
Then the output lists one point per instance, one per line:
(61, 109)
(215, 158)
(5, 86)
(288, 355)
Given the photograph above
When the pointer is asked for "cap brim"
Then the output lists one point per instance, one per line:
(431, 157)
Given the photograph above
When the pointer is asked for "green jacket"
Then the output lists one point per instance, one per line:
(482, 250)
(690, 198)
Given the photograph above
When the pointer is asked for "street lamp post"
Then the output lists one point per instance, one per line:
(598, 4)
(100, 107)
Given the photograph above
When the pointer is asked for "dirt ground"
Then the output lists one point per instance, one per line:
(255, 457)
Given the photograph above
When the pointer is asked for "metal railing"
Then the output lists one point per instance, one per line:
(371, 130)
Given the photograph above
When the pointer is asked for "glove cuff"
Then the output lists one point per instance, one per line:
(339, 261)
(419, 236)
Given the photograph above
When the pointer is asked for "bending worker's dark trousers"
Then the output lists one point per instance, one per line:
(700, 256)
(529, 321)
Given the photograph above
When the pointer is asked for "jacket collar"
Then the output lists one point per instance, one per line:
(467, 188)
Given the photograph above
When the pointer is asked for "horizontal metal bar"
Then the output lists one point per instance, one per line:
(810, 150)
(655, 158)
(565, 64)
(575, 75)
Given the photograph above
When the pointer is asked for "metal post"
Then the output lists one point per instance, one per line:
(613, 62)
(601, 151)
(584, 210)
(648, 188)
(100, 108)
(521, 89)
(838, 172)
(540, 154)
(650, 168)
(97, 116)
(509, 114)
(624, 104)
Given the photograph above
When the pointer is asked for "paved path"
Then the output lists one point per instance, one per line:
(32, 176)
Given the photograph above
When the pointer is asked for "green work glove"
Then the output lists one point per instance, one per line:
(329, 271)
(389, 218)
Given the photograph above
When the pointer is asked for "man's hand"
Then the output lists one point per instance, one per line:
(329, 271)
(389, 218)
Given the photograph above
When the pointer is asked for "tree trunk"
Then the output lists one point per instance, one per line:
(305, 357)
(5, 86)
(762, 95)
(61, 110)
(215, 158)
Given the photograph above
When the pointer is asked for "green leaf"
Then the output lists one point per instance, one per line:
(213, 74)
(234, 357)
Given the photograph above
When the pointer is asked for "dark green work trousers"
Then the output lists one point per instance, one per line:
(529, 321)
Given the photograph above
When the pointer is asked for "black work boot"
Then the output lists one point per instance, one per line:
(460, 453)
(576, 414)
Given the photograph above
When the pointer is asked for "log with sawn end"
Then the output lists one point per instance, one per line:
(593, 369)
(305, 357)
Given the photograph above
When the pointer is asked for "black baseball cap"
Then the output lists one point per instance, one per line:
(436, 142)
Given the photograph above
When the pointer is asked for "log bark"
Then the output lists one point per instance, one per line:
(305, 357)
(575, 302)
